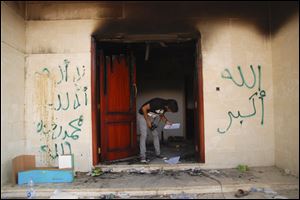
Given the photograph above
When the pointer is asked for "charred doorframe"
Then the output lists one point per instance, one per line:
(120, 38)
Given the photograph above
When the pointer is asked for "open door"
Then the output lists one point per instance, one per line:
(117, 106)
(199, 111)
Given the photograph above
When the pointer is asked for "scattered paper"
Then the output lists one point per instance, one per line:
(172, 126)
(173, 160)
(58, 194)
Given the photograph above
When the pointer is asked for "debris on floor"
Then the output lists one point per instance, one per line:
(242, 168)
(58, 194)
(108, 196)
(279, 197)
(268, 193)
(254, 189)
(241, 193)
(143, 177)
(213, 171)
(123, 195)
(138, 171)
(173, 160)
(183, 196)
(95, 172)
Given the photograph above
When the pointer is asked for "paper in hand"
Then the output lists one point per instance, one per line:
(172, 126)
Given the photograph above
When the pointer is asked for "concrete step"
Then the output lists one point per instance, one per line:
(163, 182)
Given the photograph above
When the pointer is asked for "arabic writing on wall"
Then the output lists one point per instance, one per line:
(259, 93)
(61, 134)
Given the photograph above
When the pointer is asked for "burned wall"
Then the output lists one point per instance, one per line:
(236, 56)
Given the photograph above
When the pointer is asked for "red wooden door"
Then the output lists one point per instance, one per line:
(117, 106)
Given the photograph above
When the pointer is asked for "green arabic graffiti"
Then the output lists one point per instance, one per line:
(54, 154)
(41, 127)
(73, 129)
(44, 71)
(59, 100)
(64, 74)
(227, 75)
(74, 124)
(71, 123)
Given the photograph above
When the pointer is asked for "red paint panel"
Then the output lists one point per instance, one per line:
(117, 107)
(119, 136)
(118, 76)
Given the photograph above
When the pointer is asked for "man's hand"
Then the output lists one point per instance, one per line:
(168, 123)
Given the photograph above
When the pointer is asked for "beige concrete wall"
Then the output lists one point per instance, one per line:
(235, 131)
(227, 43)
(58, 102)
(58, 91)
(12, 88)
(285, 54)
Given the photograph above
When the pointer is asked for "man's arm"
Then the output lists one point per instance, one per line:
(145, 108)
(162, 116)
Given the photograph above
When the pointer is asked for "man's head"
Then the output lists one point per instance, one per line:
(172, 105)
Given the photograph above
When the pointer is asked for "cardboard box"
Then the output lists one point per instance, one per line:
(24, 169)
(22, 163)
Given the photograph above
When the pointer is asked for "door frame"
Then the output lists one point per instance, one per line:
(95, 74)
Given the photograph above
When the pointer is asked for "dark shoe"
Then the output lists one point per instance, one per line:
(144, 161)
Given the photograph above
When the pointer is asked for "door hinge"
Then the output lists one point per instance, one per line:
(99, 150)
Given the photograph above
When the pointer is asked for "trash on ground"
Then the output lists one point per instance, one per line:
(30, 193)
(138, 171)
(241, 193)
(242, 168)
(213, 171)
(58, 194)
(279, 197)
(109, 196)
(254, 189)
(123, 195)
(195, 172)
(183, 196)
(269, 191)
(96, 172)
(173, 160)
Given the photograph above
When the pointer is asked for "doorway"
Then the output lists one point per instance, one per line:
(166, 69)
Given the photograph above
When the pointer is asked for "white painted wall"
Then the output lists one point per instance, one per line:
(12, 88)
